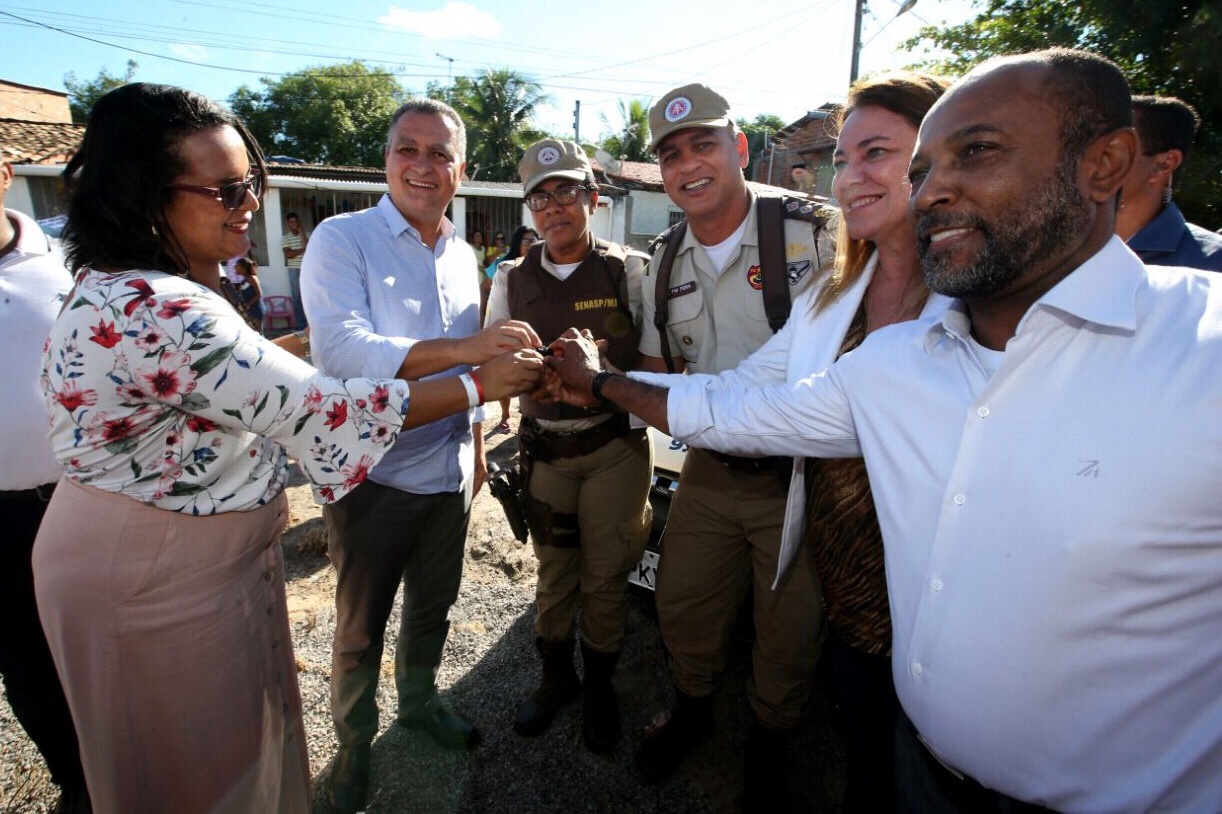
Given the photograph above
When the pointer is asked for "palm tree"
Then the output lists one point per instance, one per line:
(496, 106)
(631, 143)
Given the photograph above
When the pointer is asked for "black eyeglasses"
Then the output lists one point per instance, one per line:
(232, 195)
(565, 195)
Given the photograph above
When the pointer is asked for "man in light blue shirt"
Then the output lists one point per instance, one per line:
(393, 291)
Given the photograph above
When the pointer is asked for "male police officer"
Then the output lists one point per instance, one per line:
(586, 471)
(723, 534)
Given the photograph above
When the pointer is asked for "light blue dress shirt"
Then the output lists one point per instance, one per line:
(372, 289)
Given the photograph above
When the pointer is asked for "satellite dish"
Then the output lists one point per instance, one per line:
(608, 161)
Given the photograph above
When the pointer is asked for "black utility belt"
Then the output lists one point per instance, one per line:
(42, 493)
(737, 463)
(545, 445)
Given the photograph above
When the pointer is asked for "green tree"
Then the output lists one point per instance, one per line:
(333, 114)
(758, 132)
(1167, 47)
(631, 141)
(83, 93)
(497, 107)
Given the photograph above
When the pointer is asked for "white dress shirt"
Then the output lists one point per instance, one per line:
(1053, 532)
(33, 284)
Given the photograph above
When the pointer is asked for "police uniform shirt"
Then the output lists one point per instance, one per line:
(717, 319)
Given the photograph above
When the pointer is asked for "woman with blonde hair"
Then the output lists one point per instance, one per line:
(877, 281)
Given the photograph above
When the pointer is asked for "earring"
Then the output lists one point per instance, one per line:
(1166, 195)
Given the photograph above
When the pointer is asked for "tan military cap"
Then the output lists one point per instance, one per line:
(689, 106)
(550, 158)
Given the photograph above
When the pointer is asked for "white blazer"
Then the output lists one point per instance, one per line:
(807, 344)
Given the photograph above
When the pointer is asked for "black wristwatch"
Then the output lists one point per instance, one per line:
(596, 385)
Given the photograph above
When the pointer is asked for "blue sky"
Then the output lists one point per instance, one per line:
(766, 56)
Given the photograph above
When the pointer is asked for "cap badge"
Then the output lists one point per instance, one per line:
(678, 108)
(548, 155)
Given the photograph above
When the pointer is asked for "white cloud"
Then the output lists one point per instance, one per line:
(451, 20)
(189, 51)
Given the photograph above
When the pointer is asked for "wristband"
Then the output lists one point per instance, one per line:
(475, 393)
(596, 384)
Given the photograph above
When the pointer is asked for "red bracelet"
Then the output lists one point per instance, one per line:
(479, 388)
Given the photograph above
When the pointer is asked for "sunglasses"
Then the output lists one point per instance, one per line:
(232, 195)
(565, 195)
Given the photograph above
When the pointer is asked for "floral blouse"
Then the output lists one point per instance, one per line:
(158, 390)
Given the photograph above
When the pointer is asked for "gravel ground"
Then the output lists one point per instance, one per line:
(489, 666)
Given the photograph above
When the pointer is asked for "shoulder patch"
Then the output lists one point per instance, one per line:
(795, 270)
(808, 210)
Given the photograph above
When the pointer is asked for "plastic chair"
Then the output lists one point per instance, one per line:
(275, 307)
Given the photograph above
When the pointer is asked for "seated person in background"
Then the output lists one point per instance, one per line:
(246, 294)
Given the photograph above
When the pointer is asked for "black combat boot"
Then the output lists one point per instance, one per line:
(664, 748)
(600, 722)
(765, 770)
(558, 687)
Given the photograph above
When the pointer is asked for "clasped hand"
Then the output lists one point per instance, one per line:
(576, 358)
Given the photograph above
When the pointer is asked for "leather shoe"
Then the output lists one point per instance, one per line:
(449, 729)
(665, 745)
(348, 785)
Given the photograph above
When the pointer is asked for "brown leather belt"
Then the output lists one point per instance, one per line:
(42, 493)
(545, 445)
(737, 463)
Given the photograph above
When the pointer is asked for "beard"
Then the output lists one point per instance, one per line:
(1056, 214)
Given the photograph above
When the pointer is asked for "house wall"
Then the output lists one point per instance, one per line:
(18, 197)
(32, 104)
(650, 216)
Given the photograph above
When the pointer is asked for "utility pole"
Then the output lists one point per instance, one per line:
(577, 122)
(449, 68)
(857, 43)
(860, 6)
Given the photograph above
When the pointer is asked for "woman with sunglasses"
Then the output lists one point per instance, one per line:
(158, 570)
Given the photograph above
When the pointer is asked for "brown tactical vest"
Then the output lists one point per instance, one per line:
(595, 296)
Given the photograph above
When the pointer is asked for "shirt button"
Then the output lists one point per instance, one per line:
(917, 669)
(936, 585)
(983, 412)
(960, 499)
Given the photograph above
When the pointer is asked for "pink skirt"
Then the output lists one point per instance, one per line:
(171, 636)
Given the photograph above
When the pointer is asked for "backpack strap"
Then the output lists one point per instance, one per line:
(770, 223)
(672, 237)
